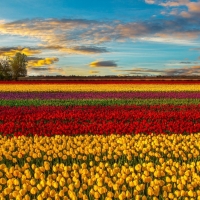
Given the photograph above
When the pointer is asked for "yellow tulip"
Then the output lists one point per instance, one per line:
(69, 181)
(180, 186)
(122, 195)
(90, 182)
(108, 198)
(7, 191)
(177, 193)
(27, 197)
(171, 196)
(77, 184)
(33, 190)
(110, 194)
(128, 194)
(151, 169)
(147, 179)
(84, 186)
(99, 183)
(22, 192)
(43, 183)
(33, 166)
(16, 182)
(96, 195)
(150, 191)
(61, 193)
(168, 180)
(39, 186)
(32, 182)
(191, 193)
(52, 193)
(144, 198)
(55, 184)
(138, 168)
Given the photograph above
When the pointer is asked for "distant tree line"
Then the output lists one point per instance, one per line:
(11, 68)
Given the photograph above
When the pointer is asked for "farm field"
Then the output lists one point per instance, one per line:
(100, 140)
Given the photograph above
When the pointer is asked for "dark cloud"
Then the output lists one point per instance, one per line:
(34, 58)
(77, 49)
(141, 70)
(185, 62)
(195, 49)
(39, 68)
(5, 49)
(47, 70)
(184, 71)
(90, 49)
(108, 63)
(52, 47)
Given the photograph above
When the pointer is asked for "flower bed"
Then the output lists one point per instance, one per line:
(100, 140)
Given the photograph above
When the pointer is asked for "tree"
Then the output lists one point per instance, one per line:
(5, 69)
(18, 64)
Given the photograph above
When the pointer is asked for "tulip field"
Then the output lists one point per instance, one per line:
(100, 140)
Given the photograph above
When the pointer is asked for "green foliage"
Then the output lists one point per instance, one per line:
(5, 69)
(103, 102)
(18, 64)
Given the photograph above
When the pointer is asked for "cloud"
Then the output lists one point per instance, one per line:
(63, 34)
(50, 70)
(11, 51)
(195, 49)
(34, 58)
(76, 49)
(94, 72)
(49, 31)
(38, 62)
(185, 62)
(90, 50)
(2, 21)
(150, 1)
(108, 63)
(184, 71)
(39, 69)
(140, 70)
(193, 8)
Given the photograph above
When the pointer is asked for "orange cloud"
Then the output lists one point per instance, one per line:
(41, 62)
(194, 7)
(11, 51)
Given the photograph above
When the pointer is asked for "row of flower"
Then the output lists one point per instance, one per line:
(72, 120)
(78, 87)
(100, 102)
(99, 95)
(100, 167)
(180, 82)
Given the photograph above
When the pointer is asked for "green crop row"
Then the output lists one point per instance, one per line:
(103, 102)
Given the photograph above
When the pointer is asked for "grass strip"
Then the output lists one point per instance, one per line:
(103, 102)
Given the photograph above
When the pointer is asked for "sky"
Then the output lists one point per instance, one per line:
(107, 37)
